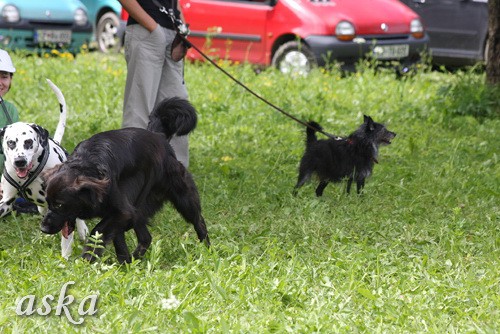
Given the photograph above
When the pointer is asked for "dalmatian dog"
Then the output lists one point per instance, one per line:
(29, 151)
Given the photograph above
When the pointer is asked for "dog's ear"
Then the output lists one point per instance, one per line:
(370, 126)
(43, 134)
(92, 189)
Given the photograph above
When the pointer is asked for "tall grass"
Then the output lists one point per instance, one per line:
(417, 252)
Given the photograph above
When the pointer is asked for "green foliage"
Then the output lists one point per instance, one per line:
(467, 95)
(417, 252)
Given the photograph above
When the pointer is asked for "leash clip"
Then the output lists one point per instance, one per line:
(181, 27)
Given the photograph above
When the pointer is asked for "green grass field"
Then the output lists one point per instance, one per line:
(418, 252)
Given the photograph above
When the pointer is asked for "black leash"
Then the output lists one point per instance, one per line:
(257, 95)
(183, 30)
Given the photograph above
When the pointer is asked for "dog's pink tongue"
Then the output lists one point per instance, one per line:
(22, 172)
(65, 230)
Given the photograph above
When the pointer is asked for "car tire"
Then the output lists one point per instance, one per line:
(106, 33)
(294, 57)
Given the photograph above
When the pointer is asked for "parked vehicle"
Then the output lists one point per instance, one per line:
(457, 29)
(108, 21)
(296, 35)
(44, 25)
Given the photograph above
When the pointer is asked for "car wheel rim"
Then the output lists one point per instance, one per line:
(295, 62)
(107, 37)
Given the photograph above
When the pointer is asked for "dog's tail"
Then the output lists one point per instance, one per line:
(173, 116)
(311, 132)
(63, 113)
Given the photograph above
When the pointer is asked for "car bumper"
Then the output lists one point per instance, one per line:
(329, 48)
(23, 37)
(452, 57)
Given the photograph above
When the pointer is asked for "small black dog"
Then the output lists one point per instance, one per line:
(337, 158)
(124, 177)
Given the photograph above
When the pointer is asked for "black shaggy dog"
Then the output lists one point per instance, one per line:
(337, 158)
(124, 177)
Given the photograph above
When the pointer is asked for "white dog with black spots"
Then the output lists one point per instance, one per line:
(29, 151)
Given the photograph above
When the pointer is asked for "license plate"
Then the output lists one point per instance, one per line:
(53, 36)
(391, 51)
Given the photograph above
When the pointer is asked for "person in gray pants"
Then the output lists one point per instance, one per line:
(152, 75)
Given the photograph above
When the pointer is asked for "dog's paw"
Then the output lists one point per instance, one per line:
(124, 258)
(83, 230)
(67, 246)
(91, 254)
(139, 252)
(89, 257)
(206, 241)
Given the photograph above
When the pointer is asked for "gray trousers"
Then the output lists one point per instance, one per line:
(151, 77)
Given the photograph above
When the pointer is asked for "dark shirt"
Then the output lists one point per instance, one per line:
(153, 10)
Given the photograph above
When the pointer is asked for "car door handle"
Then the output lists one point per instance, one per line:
(419, 1)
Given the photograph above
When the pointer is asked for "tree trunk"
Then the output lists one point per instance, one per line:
(493, 50)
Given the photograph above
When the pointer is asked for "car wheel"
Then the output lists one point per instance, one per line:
(294, 58)
(106, 33)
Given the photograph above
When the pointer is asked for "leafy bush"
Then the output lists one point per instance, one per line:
(467, 94)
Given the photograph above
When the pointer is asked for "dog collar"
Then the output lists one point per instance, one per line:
(21, 188)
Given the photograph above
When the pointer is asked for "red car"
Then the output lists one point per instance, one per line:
(295, 35)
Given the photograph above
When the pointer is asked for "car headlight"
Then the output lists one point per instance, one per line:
(345, 31)
(417, 28)
(81, 18)
(10, 14)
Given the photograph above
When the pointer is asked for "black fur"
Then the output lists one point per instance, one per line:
(124, 177)
(180, 120)
(335, 159)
